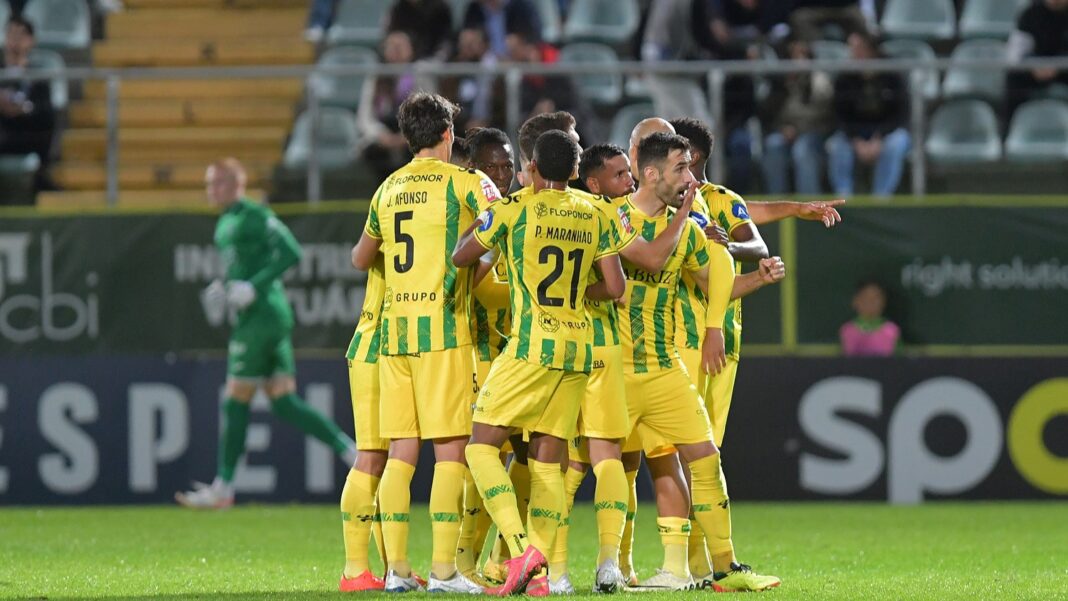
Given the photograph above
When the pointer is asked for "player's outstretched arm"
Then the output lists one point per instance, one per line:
(612, 284)
(762, 212)
(770, 271)
(651, 256)
(363, 254)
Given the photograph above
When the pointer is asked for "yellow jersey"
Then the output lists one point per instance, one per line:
(549, 242)
(365, 341)
(491, 318)
(647, 322)
(419, 213)
(728, 210)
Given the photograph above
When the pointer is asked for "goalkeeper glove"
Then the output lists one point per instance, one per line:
(240, 294)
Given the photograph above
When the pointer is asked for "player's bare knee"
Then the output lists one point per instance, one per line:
(696, 451)
(577, 466)
(491, 435)
(280, 386)
(241, 391)
(372, 462)
(405, 449)
(546, 449)
(451, 449)
(602, 449)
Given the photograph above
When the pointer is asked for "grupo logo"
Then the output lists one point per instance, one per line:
(31, 308)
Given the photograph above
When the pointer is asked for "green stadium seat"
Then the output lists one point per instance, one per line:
(608, 21)
(59, 24)
(990, 18)
(923, 19)
(829, 50)
(601, 88)
(973, 82)
(1038, 132)
(964, 131)
(337, 140)
(17, 175)
(358, 22)
(919, 51)
(41, 58)
(342, 90)
(551, 23)
(458, 8)
(625, 120)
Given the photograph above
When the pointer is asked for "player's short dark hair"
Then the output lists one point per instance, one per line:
(556, 155)
(481, 137)
(655, 148)
(20, 21)
(424, 118)
(594, 157)
(460, 153)
(696, 132)
(534, 127)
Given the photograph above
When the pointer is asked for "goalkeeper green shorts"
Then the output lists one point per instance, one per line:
(259, 354)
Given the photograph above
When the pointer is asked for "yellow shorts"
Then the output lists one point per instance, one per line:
(524, 395)
(665, 409)
(718, 391)
(364, 390)
(427, 395)
(604, 405)
(481, 371)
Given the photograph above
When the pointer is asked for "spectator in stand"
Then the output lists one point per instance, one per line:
(320, 16)
(27, 119)
(472, 92)
(809, 17)
(869, 334)
(386, 149)
(670, 31)
(501, 18)
(797, 118)
(427, 21)
(871, 109)
(739, 106)
(541, 93)
(729, 27)
(1041, 30)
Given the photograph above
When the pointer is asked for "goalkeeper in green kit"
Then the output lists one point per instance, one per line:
(256, 249)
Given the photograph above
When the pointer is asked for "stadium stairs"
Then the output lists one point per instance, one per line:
(171, 129)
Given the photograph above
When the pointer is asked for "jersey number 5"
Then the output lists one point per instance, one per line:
(399, 265)
(556, 255)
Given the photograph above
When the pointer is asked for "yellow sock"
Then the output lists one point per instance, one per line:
(673, 535)
(519, 474)
(482, 528)
(394, 504)
(546, 504)
(712, 509)
(558, 558)
(699, 565)
(610, 502)
(626, 546)
(357, 516)
(446, 502)
(497, 494)
(467, 549)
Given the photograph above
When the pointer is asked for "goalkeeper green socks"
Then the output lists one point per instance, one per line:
(291, 408)
(232, 445)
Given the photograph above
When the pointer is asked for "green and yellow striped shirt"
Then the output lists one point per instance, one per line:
(365, 340)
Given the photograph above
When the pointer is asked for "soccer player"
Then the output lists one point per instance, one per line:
(425, 357)
(256, 249)
(550, 239)
(732, 226)
(662, 401)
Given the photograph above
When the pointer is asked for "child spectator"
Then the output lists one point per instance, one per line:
(869, 334)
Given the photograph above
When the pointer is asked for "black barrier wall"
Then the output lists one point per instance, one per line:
(134, 430)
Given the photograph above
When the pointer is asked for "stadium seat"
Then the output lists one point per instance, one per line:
(989, 18)
(601, 88)
(342, 90)
(359, 22)
(964, 131)
(458, 9)
(17, 174)
(1038, 132)
(608, 21)
(676, 97)
(59, 24)
(5, 14)
(549, 12)
(50, 59)
(337, 135)
(625, 120)
(923, 19)
(976, 82)
(829, 50)
(919, 51)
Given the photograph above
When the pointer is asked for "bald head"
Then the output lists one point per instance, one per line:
(225, 181)
(641, 131)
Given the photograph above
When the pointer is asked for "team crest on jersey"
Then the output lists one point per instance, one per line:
(489, 189)
(541, 210)
(548, 323)
(699, 219)
(624, 220)
(487, 220)
(387, 299)
(739, 211)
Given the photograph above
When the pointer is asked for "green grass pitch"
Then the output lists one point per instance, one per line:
(821, 551)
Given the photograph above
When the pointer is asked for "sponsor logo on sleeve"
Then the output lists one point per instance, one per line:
(489, 189)
(487, 220)
(739, 211)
